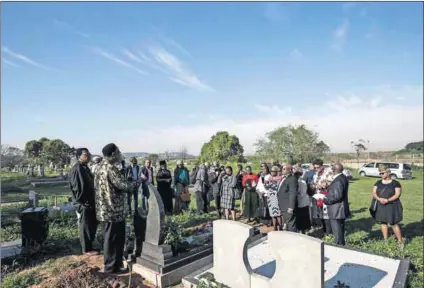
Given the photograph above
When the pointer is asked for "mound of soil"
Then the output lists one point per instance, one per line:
(89, 275)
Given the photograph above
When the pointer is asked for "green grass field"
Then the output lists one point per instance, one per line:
(362, 231)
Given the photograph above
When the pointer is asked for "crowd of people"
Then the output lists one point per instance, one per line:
(284, 197)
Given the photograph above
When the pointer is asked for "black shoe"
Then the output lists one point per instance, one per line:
(121, 271)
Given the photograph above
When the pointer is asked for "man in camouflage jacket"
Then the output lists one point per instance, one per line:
(111, 189)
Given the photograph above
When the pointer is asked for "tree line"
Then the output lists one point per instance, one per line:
(291, 143)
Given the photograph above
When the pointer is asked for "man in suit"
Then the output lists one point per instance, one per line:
(287, 197)
(337, 203)
(132, 174)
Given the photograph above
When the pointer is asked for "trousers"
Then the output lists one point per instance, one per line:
(114, 242)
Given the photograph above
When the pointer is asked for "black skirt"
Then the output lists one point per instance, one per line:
(303, 222)
(391, 213)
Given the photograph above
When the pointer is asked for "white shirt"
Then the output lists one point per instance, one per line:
(260, 188)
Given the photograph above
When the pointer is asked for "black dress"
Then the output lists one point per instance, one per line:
(164, 180)
(392, 212)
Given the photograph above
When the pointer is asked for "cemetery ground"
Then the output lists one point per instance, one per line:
(57, 263)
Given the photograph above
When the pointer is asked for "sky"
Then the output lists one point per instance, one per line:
(161, 76)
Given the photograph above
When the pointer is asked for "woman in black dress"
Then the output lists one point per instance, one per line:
(389, 209)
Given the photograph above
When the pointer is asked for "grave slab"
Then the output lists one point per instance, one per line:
(351, 267)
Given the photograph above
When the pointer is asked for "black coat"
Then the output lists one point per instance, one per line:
(337, 199)
(287, 194)
(81, 183)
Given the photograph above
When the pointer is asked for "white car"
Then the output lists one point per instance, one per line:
(397, 170)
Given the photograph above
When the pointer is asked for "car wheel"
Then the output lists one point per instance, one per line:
(393, 176)
(362, 173)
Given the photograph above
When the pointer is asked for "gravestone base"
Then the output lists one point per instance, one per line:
(172, 273)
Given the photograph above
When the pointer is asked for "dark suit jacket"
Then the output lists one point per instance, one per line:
(336, 199)
(129, 172)
(287, 194)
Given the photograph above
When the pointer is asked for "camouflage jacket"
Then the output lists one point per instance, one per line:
(111, 188)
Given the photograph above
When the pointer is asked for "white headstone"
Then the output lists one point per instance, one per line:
(229, 238)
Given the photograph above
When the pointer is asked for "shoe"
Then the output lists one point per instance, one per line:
(121, 271)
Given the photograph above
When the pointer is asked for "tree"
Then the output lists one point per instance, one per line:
(11, 156)
(57, 151)
(222, 147)
(358, 147)
(416, 147)
(183, 153)
(153, 158)
(295, 143)
(45, 150)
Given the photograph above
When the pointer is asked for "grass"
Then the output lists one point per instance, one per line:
(362, 231)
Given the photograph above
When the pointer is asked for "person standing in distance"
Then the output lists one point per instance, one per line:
(111, 188)
(81, 183)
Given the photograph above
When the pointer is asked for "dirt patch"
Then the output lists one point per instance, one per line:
(85, 271)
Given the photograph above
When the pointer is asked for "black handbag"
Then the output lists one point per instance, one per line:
(374, 203)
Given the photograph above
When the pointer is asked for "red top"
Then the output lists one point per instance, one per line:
(246, 177)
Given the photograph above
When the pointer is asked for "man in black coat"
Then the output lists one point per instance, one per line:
(287, 197)
(81, 182)
(337, 203)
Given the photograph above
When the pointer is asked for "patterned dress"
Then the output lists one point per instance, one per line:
(272, 187)
(323, 178)
(228, 194)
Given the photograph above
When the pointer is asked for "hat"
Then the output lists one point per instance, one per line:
(162, 162)
(179, 162)
(383, 168)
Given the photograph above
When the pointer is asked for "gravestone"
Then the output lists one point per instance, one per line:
(153, 248)
(229, 250)
(291, 264)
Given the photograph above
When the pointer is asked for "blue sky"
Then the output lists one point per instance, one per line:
(156, 76)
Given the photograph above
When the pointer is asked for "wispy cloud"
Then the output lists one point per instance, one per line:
(180, 74)
(24, 58)
(5, 61)
(132, 57)
(113, 58)
(296, 54)
(175, 44)
(340, 35)
(69, 27)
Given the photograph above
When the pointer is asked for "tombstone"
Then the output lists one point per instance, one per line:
(51, 166)
(153, 248)
(39, 171)
(42, 171)
(229, 251)
(291, 264)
